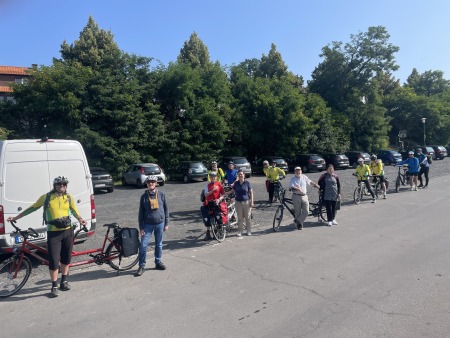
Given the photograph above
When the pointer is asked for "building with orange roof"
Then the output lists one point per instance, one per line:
(10, 75)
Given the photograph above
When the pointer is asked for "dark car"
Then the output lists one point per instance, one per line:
(389, 156)
(189, 171)
(257, 167)
(440, 152)
(136, 174)
(240, 163)
(354, 155)
(101, 179)
(338, 160)
(307, 162)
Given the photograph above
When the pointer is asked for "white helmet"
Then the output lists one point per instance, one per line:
(151, 178)
(60, 180)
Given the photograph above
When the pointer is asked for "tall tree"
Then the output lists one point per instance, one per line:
(194, 52)
(429, 83)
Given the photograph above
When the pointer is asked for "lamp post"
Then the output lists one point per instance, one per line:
(424, 119)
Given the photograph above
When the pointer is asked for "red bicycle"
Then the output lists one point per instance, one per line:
(14, 272)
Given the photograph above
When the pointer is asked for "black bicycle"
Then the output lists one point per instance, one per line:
(402, 177)
(315, 209)
(278, 190)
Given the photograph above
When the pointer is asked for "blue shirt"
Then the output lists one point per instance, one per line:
(413, 164)
(242, 191)
(231, 175)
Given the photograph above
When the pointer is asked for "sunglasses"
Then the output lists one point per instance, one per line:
(63, 184)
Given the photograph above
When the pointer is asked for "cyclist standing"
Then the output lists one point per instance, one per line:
(331, 190)
(273, 174)
(231, 174)
(377, 169)
(266, 172)
(363, 173)
(424, 168)
(300, 199)
(413, 169)
(213, 192)
(58, 206)
(219, 171)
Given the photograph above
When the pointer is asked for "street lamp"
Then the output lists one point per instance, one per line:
(424, 119)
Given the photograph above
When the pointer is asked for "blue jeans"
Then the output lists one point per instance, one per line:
(159, 231)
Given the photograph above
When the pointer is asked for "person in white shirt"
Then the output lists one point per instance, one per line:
(300, 200)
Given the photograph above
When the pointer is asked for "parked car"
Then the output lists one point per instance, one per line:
(440, 152)
(338, 160)
(136, 174)
(240, 163)
(257, 167)
(189, 171)
(307, 162)
(448, 149)
(354, 155)
(101, 179)
(389, 156)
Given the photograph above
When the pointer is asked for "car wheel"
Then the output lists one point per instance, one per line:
(388, 162)
(305, 169)
(139, 184)
(161, 183)
(123, 181)
(110, 189)
(185, 179)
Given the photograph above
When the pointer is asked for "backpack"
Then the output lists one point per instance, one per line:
(47, 204)
(128, 240)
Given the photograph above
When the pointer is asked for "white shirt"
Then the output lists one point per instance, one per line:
(299, 182)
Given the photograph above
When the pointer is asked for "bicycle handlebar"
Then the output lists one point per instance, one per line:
(30, 231)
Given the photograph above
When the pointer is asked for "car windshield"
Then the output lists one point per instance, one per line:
(366, 155)
(240, 161)
(441, 148)
(341, 157)
(430, 150)
(197, 165)
(279, 161)
(315, 157)
(151, 169)
(97, 171)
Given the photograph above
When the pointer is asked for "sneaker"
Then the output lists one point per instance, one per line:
(299, 226)
(426, 186)
(249, 233)
(415, 188)
(64, 286)
(412, 188)
(207, 237)
(384, 196)
(54, 292)
(239, 234)
(140, 271)
(420, 186)
(334, 222)
(330, 224)
(374, 200)
(160, 266)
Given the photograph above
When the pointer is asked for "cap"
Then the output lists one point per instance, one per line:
(411, 153)
(297, 168)
(231, 162)
(212, 173)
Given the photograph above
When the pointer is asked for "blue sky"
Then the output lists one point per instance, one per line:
(32, 30)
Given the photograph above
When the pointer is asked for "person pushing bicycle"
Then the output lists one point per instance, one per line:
(377, 169)
(58, 205)
(273, 175)
(363, 173)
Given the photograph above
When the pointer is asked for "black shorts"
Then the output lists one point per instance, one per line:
(381, 178)
(412, 174)
(59, 244)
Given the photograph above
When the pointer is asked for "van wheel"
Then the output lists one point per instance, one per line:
(124, 183)
(185, 179)
(161, 183)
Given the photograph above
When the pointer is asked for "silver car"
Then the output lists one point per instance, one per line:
(136, 174)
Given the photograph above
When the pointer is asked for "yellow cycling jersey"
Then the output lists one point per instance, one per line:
(362, 172)
(377, 167)
(273, 174)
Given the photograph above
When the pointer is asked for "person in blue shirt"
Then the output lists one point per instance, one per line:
(231, 174)
(413, 169)
(424, 168)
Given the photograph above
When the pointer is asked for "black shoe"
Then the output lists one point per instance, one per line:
(64, 286)
(425, 186)
(54, 292)
(208, 237)
(420, 186)
(299, 226)
(140, 271)
(160, 266)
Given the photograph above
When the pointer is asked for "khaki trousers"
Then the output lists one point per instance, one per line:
(243, 214)
(301, 207)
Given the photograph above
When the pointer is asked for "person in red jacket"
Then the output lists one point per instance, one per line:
(213, 192)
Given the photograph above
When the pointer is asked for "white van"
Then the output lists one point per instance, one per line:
(27, 170)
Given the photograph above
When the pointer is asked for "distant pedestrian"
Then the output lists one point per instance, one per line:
(331, 189)
(424, 168)
(153, 218)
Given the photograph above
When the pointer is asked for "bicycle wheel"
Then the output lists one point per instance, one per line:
(219, 230)
(232, 215)
(397, 184)
(280, 195)
(117, 261)
(278, 218)
(376, 189)
(10, 282)
(357, 195)
(323, 212)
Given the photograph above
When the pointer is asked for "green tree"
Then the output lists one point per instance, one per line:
(429, 83)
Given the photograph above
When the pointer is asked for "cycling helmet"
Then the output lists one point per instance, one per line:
(231, 162)
(266, 162)
(151, 178)
(373, 157)
(360, 159)
(212, 173)
(60, 180)
(411, 153)
(213, 162)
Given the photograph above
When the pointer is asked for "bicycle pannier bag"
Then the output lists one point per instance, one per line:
(223, 212)
(129, 239)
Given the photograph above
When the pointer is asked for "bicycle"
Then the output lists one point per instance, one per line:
(377, 189)
(218, 229)
(402, 177)
(15, 271)
(315, 209)
(361, 190)
(278, 190)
